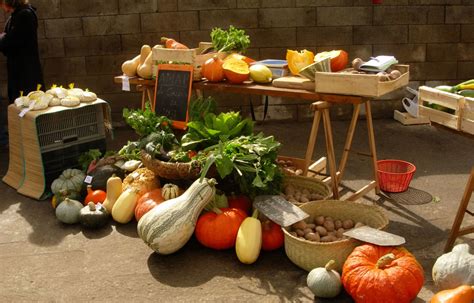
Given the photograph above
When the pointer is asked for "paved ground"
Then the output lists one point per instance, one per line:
(43, 260)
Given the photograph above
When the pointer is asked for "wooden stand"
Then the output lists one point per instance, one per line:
(456, 230)
(321, 109)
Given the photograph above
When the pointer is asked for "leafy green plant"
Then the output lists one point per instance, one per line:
(199, 107)
(233, 39)
(86, 158)
(145, 122)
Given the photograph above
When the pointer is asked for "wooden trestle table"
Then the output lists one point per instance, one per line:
(320, 106)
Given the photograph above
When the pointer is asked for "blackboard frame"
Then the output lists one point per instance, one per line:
(176, 67)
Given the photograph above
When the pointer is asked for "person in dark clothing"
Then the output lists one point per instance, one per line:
(19, 43)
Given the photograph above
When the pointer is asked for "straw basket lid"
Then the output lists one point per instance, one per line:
(309, 255)
(170, 170)
(315, 185)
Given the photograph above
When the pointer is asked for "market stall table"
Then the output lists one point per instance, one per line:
(320, 106)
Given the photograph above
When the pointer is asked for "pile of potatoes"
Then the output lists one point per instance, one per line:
(323, 229)
(297, 194)
(289, 168)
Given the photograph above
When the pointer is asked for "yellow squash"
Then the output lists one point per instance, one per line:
(124, 208)
(249, 240)
(114, 189)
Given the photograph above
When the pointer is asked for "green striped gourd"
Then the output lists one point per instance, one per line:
(168, 226)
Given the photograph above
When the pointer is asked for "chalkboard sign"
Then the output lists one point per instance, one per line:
(279, 210)
(173, 92)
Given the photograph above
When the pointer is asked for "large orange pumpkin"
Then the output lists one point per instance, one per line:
(154, 194)
(374, 274)
(145, 207)
(218, 229)
(339, 59)
(212, 69)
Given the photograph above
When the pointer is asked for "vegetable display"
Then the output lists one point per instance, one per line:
(168, 226)
(325, 282)
(374, 274)
(233, 39)
(454, 268)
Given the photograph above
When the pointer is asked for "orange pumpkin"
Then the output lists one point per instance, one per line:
(272, 236)
(218, 229)
(461, 294)
(373, 274)
(339, 59)
(236, 71)
(297, 60)
(96, 196)
(240, 57)
(145, 207)
(212, 69)
(154, 194)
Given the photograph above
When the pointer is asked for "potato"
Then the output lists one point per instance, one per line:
(315, 197)
(304, 199)
(293, 233)
(297, 195)
(305, 191)
(319, 220)
(321, 231)
(337, 224)
(359, 224)
(312, 237)
(299, 225)
(340, 232)
(311, 225)
(395, 74)
(328, 239)
(293, 201)
(289, 190)
(348, 224)
(328, 218)
(307, 230)
(299, 232)
(298, 172)
(329, 225)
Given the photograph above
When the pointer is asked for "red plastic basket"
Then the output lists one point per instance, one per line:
(395, 175)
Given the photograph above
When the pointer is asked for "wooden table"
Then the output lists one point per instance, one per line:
(145, 86)
(321, 105)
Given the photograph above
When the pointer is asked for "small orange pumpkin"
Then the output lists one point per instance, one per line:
(339, 59)
(272, 236)
(96, 196)
(461, 294)
(236, 71)
(212, 69)
(154, 194)
(373, 274)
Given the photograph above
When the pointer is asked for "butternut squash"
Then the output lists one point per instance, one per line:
(124, 208)
(249, 239)
(145, 70)
(144, 52)
(129, 67)
(114, 189)
(168, 226)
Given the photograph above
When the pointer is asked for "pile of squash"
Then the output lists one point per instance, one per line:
(55, 96)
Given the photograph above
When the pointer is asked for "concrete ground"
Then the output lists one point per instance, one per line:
(44, 260)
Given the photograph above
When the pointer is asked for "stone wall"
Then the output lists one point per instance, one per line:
(86, 41)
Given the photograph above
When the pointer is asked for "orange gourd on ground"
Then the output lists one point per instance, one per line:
(96, 196)
(339, 59)
(272, 236)
(236, 71)
(212, 69)
(461, 294)
(144, 207)
(373, 274)
(154, 194)
(297, 60)
(218, 229)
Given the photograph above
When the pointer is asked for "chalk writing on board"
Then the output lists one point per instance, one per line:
(279, 210)
(172, 93)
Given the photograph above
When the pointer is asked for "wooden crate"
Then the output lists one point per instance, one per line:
(192, 56)
(467, 118)
(367, 85)
(449, 100)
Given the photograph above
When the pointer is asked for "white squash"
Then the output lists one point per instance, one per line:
(124, 208)
(455, 268)
(168, 226)
(325, 282)
(249, 239)
(70, 101)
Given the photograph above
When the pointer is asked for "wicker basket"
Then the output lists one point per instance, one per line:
(309, 255)
(309, 183)
(170, 170)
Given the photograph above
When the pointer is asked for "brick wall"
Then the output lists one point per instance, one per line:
(86, 41)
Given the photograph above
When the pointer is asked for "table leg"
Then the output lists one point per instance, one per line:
(348, 144)
(150, 94)
(330, 152)
(373, 152)
(312, 141)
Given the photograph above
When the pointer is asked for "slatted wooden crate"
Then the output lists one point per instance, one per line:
(462, 118)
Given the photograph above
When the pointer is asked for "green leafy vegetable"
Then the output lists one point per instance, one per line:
(249, 160)
(200, 107)
(130, 151)
(214, 129)
(145, 122)
(86, 158)
(233, 39)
